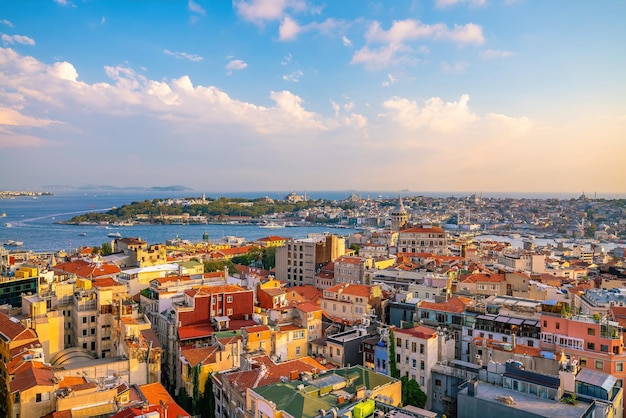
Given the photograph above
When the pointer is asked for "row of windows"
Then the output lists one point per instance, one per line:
(406, 345)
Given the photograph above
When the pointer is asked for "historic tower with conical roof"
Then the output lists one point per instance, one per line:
(399, 216)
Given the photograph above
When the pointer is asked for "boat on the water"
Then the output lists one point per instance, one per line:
(114, 235)
(9, 225)
(11, 243)
(271, 225)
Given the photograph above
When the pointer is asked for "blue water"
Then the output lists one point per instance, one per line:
(34, 221)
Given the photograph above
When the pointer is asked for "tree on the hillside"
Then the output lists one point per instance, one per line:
(269, 258)
(412, 393)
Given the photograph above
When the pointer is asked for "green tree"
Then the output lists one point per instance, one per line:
(355, 247)
(218, 265)
(269, 258)
(412, 393)
(106, 248)
(393, 367)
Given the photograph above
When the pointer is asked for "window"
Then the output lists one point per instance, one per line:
(38, 397)
(421, 348)
(414, 347)
(84, 319)
(406, 360)
(297, 350)
(591, 346)
(93, 331)
(397, 358)
(591, 331)
(93, 346)
(93, 318)
(558, 325)
(406, 344)
(604, 348)
(84, 333)
(599, 365)
(530, 343)
(414, 363)
(470, 332)
(619, 366)
(437, 383)
(422, 365)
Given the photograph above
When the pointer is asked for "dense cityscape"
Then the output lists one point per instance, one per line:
(428, 310)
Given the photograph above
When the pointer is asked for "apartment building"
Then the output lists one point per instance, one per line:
(417, 351)
(422, 239)
(298, 261)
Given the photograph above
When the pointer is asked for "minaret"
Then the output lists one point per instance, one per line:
(399, 216)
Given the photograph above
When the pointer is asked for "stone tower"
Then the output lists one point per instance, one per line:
(399, 216)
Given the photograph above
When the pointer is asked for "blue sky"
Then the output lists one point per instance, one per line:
(442, 95)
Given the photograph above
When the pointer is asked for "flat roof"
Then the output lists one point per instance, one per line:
(524, 402)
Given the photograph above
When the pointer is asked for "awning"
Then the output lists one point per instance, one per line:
(531, 323)
(516, 321)
(503, 319)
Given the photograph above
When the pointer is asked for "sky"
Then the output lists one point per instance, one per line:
(440, 95)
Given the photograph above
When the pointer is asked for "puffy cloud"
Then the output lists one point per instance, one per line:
(346, 42)
(20, 39)
(183, 55)
(267, 10)
(6, 23)
(64, 70)
(436, 115)
(289, 29)
(62, 2)
(394, 43)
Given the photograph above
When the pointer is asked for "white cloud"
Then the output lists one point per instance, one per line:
(509, 125)
(6, 23)
(260, 11)
(435, 114)
(20, 39)
(394, 43)
(456, 67)
(183, 55)
(62, 2)
(410, 29)
(294, 77)
(196, 8)
(64, 71)
(389, 81)
(103, 20)
(346, 42)
(236, 65)
(289, 29)
(381, 57)
(492, 53)
(11, 117)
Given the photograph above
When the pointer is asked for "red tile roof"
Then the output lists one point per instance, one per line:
(484, 277)
(210, 290)
(88, 270)
(155, 393)
(33, 374)
(423, 230)
(308, 307)
(417, 332)
(453, 305)
(10, 327)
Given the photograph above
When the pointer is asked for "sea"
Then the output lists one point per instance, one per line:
(34, 221)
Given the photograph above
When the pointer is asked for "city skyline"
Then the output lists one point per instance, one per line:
(442, 95)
